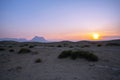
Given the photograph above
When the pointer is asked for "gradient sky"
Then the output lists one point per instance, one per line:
(59, 19)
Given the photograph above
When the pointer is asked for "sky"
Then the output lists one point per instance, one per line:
(60, 19)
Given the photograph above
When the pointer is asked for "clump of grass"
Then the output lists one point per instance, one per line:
(86, 55)
(2, 49)
(91, 57)
(99, 45)
(59, 46)
(24, 50)
(79, 54)
(38, 60)
(11, 50)
(31, 46)
(65, 54)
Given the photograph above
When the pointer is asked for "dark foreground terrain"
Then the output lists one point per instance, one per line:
(39, 61)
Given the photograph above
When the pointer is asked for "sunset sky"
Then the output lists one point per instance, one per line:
(60, 19)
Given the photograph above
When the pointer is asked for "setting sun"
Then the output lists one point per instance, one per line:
(96, 36)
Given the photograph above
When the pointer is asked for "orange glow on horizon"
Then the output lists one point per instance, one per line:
(76, 36)
(95, 36)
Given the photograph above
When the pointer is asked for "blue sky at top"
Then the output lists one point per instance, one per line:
(59, 19)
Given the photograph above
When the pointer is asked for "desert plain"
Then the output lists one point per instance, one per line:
(42, 62)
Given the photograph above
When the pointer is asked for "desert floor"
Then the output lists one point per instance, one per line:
(14, 66)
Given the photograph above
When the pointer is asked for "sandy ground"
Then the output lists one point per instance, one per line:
(14, 66)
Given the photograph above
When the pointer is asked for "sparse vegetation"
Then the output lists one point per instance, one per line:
(38, 60)
(24, 50)
(99, 45)
(65, 54)
(112, 44)
(79, 54)
(2, 49)
(59, 46)
(31, 46)
(11, 50)
(73, 55)
(91, 57)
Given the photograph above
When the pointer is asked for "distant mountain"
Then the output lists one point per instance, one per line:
(34, 39)
(14, 39)
(38, 39)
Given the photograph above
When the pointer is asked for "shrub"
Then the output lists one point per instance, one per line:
(73, 56)
(31, 46)
(87, 55)
(24, 50)
(59, 46)
(65, 54)
(79, 54)
(99, 45)
(2, 49)
(91, 57)
(11, 50)
(38, 60)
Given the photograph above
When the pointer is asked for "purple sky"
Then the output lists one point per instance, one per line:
(59, 19)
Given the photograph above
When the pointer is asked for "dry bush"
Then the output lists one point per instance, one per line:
(24, 50)
(38, 60)
(11, 50)
(2, 49)
(79, 54)
(65, 54)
